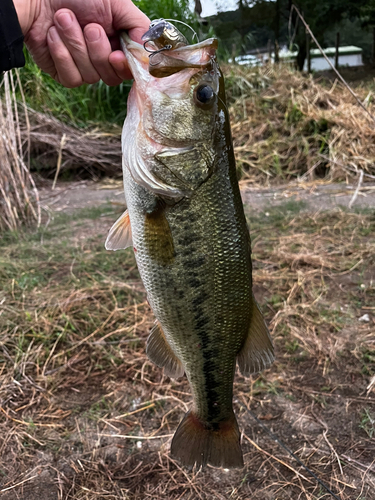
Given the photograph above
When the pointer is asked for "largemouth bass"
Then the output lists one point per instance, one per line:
(186, 224)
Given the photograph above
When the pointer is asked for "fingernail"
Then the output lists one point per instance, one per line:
(64, 19)
(92, 34)
(53, 35)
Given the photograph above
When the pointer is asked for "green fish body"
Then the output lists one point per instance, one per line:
(186, 223)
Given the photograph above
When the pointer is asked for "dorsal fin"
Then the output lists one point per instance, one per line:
(120, 234)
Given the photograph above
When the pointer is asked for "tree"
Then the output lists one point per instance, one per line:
(368, 21)
(321, 15)
(173, 9)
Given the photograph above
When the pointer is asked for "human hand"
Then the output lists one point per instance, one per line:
(75, 41)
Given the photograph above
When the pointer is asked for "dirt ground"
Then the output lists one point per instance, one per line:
(85, 415)
(68, 197)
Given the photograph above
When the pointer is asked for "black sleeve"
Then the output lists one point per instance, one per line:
(11, 38)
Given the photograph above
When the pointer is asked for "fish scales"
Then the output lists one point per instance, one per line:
(187, 226)
(194, 297)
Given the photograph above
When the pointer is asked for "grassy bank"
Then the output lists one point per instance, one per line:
(288, 125)
(74, 375)
(82, 107)
(285, 125)
(98, 104)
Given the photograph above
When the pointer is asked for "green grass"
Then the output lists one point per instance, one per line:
(368, 422)
(44, 269)
(83, 106)
(96, 104)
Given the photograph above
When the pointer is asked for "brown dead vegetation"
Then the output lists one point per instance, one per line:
(289, 125)
(19, 202)
(285, 125)
(85, 415)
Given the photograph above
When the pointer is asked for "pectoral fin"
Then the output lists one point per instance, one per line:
(257, 351)
(120, 234)
(160, 352)
(158, 236)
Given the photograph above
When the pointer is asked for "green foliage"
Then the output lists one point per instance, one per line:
(171, 9)
(257, 22)
(321, 16)
(249, 27)
(352, 32)
(81, 106)
(293, 115)
(368, 13)
(98, 103)
(368, 422)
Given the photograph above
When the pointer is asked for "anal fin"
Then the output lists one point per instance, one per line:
(257, 352)
(120, 234)
(160, 352)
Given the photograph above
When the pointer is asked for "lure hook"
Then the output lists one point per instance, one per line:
(154, 52)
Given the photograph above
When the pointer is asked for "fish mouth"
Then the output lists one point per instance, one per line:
(163, 63)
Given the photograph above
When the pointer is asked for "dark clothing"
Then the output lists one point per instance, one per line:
(11, 38)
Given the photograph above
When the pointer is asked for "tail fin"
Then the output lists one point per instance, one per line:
(200, 443)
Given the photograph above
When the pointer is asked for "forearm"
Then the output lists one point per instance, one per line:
(26, 12)
(11, 38)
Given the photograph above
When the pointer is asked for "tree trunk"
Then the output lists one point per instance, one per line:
(277, 58)
(198, 8)
(277, 30)
(302, 52)
(269, 52)
(337, 50)
(234, 48)
(308, 52)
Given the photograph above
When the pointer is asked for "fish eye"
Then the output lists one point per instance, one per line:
(155, 22)
(204, 95)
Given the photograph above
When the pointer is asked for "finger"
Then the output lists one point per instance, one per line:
(71, 34)
(67, 71)
(99, 49)
(120, 65)
(126, 16)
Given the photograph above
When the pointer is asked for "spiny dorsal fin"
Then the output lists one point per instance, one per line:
(257, 351)
(160, 352)
(120, 234)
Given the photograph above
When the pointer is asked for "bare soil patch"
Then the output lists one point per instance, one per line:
(70, 196)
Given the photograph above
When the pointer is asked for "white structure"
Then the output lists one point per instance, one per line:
(348, 56)
(247, 60)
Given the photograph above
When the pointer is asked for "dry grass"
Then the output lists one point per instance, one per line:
(285, 125)
(19, 197)
(85, 415)
(288, 125)
(88, 152)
